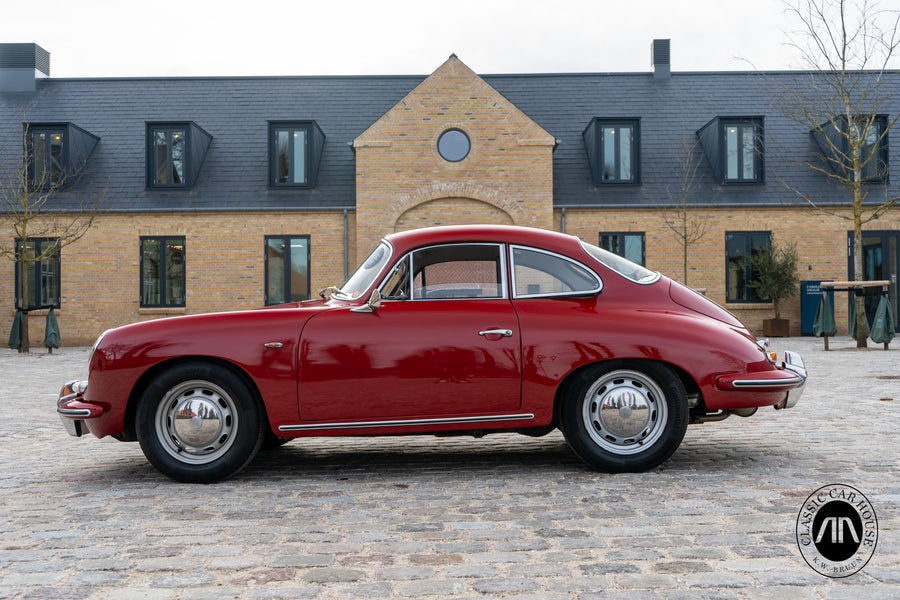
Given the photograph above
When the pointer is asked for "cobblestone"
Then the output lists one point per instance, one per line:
(501, 517)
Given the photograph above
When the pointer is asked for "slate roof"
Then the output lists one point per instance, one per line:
(235, 111)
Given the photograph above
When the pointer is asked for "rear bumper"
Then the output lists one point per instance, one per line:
(73, 410)
(791, 378)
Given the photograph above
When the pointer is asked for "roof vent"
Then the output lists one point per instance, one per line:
(660, 58)
(21, 65)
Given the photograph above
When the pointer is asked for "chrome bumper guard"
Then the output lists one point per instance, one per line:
(793, 362)
(72, 409)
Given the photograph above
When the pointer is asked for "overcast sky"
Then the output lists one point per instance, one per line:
(117, 38)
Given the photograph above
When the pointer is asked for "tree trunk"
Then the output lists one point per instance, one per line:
(862, 325)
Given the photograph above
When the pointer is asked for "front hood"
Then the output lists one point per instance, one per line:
(225, 334)
(691, 300)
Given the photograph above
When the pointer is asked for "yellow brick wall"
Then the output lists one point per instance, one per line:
(402, 181)
(224, 267)
(821, 244)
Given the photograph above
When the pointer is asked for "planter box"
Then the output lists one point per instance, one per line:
(776, 327)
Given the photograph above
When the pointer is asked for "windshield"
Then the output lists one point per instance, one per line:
(360, 281)
(622, 266)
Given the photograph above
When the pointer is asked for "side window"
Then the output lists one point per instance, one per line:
(739, 247)
(540, 273)
(453, 271)
(162, 271)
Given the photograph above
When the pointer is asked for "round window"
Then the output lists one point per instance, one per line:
(454, 145)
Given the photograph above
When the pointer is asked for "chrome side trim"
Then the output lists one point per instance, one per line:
(74, 412)
(768, 383)
(405, 422)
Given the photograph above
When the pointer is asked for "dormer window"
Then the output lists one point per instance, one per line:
(613, 149)
(55, 153)
(834, 139)
(295, 151)
(175, 153)
(734, 147)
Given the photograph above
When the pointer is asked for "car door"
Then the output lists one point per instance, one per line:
(444, 342)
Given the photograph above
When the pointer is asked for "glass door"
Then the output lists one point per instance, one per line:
(881, 255)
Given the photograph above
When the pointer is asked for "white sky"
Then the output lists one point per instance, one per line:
(114, 38)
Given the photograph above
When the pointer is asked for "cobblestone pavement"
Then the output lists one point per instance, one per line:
(501, 517)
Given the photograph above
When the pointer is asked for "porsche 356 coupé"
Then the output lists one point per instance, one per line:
(467, 330)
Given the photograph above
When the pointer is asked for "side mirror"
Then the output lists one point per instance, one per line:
(371, 306)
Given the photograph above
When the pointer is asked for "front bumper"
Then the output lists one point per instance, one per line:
(73, 410)
(791, 377)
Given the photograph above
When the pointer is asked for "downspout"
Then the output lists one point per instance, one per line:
(562, 221)
(346, 248)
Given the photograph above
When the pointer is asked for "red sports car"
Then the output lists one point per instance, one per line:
(466, 330)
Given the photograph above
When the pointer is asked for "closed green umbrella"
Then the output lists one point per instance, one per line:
(882, 330)
(52, 338)
(15, 336)
(824, 321)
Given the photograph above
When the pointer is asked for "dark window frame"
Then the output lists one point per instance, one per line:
(37, 292)
(758, 149)
(837, 134)
(598, 154)
(291, 127)
(621, 235)
(163, 278)
(749, 294)
(153, 167)
(287, 267)
(62, 167)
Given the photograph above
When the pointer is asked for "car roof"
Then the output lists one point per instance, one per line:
(510, 234)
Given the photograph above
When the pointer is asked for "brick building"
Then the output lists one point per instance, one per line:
(230, 193)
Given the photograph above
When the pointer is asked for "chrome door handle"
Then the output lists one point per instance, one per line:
(503, 332)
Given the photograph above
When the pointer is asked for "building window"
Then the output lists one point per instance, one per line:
(167, 156)
(287, 269)
(734, 147)
(289, 155)
(41, 287)
(56, 153)
(626, 245)
(743, 151)
(739, 247)
(162, 271)
(454, 145)
(175, 153)
(874, 157)
(45, 156)
(834, 140)
(613, 148)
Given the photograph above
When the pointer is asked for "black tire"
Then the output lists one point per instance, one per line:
(199, 423)
(271, 441)
(624, 416)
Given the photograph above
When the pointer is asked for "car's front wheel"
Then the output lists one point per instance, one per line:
(624, 416)
(199, 423)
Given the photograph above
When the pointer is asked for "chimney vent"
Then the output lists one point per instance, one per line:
(21, 65)
(660, 58)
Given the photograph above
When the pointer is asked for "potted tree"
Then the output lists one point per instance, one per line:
(775, 276)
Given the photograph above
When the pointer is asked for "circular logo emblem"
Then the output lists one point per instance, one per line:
(837, 530)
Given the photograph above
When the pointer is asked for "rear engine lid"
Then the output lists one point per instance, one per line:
(688, 298)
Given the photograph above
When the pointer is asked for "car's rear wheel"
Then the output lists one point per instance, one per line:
(199, 423)
(624, 416)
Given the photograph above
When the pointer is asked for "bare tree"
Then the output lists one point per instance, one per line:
(685, 222)
(847, 50)
(29, 189)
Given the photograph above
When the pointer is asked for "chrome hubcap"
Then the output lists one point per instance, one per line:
(196, 422)
(625, 412)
